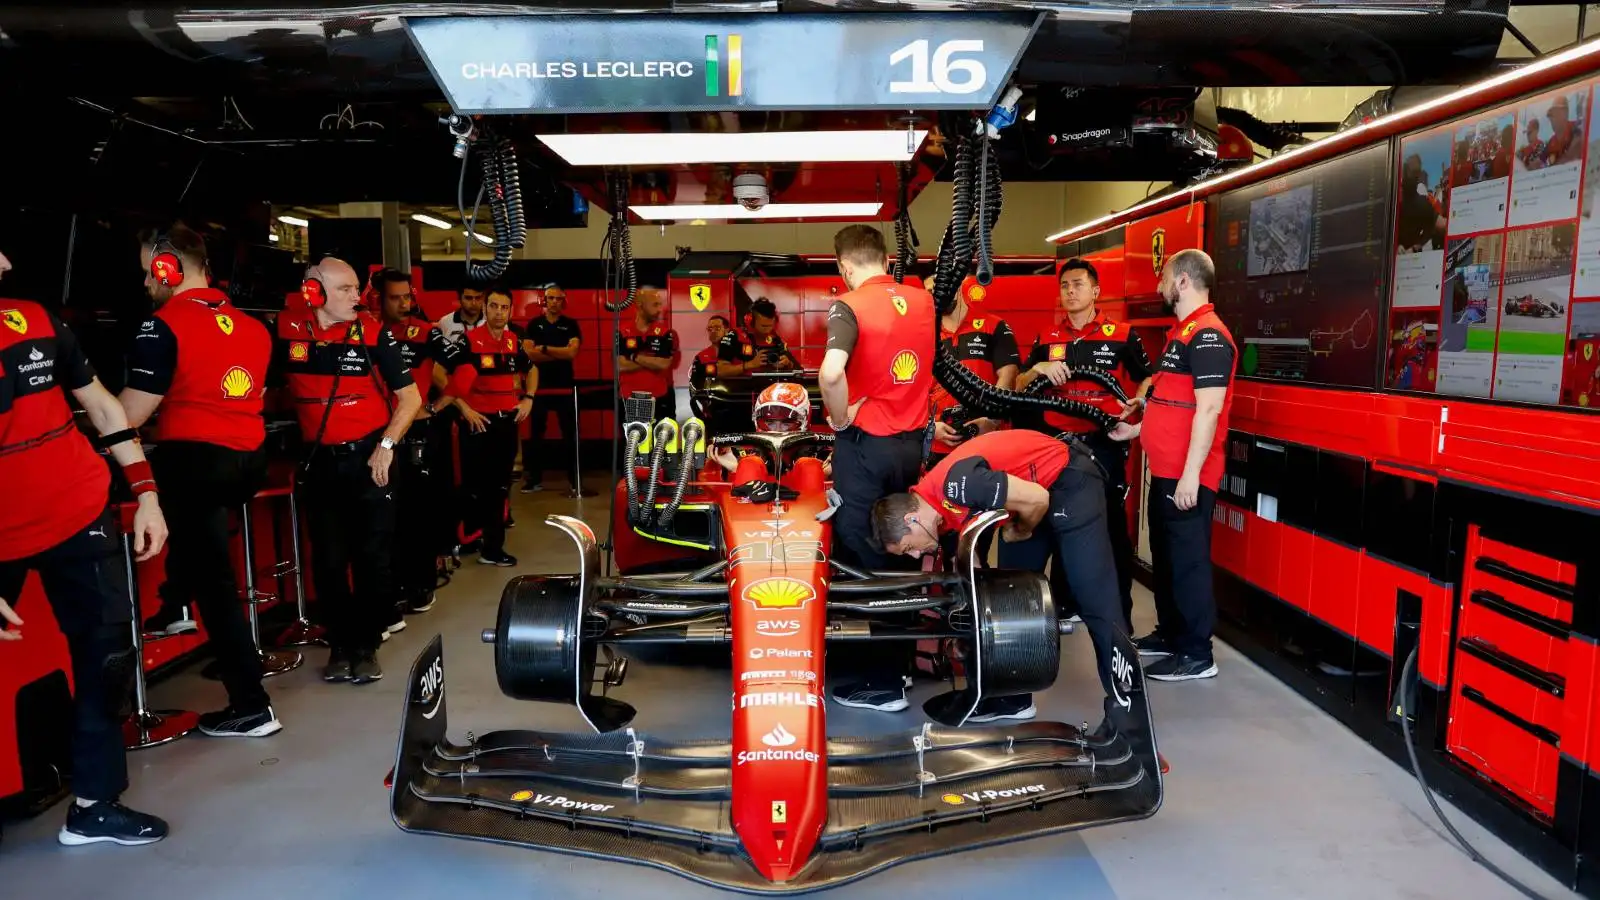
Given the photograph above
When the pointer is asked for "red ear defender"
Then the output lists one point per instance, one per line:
(312, 292)
(165, 266)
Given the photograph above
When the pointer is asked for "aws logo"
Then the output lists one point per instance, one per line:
(904, 367)
(1158, 249)
(779, 593)
(236, 384)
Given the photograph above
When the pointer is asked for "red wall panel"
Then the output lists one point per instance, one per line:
(1295, 560)
(1150, 242)
(1335, 592)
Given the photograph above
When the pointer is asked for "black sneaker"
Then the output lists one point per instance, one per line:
(511, 521)
(338, 667)
(993, 709)
(502, 559)
(530, 487)
(110, 821)
(1152, 645)
(366, 670)
(1182, 668)
(170, 621)
(420, 602)
(231, 722)
(862, 695)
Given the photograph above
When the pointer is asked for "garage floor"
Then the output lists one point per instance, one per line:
(1267, 798)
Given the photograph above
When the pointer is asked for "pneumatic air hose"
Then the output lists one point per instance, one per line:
(662, 436)
(619, 242)
(690, 436)
(497, 162)
(631, 478)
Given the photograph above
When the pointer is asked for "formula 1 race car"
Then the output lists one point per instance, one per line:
(1532, 307)
(779, 805)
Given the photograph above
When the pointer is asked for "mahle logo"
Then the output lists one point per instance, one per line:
(715, 87)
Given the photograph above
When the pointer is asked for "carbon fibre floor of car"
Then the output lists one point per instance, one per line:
(667, 806)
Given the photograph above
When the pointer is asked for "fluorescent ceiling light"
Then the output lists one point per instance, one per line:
(1349, 139)
(273, 238)
(486, 240)
(745, 147)
(430, 220)
(770, 211)
(1033, 114)
(293, 220)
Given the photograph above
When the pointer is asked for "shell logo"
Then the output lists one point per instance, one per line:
(225, 322)
(236, 384)
(298, 351)
(1058, 352)
(977, 293)
(954, 799)
(522, 796)
(15, 320)
(779, 593)
(486, 361)
(899, 303)
(904, 368)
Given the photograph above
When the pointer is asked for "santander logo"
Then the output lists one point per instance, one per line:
(778, 737)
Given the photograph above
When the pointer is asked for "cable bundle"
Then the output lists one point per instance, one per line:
(619, 246)
(905, 236)
(503, 184)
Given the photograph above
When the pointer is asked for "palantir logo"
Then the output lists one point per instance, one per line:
(778, 737)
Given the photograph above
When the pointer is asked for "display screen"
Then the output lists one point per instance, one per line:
(1496, 286)
(1300, 263)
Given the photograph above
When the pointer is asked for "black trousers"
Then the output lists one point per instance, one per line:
(1180, 553)
(487, 459)
(1074, 530)
(352, 523)
(423, 528)
(867, 468)
(201, 484)
(1112, 457)
(87, 586)
(537, 449)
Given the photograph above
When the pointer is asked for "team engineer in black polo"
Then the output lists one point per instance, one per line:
(1087, 338)
(552, 342)
(985, 345)
(355, 400)
(757, 348)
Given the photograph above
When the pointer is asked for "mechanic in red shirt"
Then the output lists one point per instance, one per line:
(1184, 428)
(1085, 338)
(1052, 490)
(647, 354)
(757, 348)
(704, 369)
(877, 381)
(985, 345)
(496, 384)
(425, 530)
(202, 363)
(355, 400)
(55, 520)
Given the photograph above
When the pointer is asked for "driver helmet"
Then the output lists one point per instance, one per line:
(783, 407)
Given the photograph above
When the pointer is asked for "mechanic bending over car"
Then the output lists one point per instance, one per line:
(876, 380)
(55, 520)
(1055, 493)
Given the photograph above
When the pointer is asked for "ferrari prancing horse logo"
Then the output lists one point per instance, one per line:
(1158, 249)
(700, 296)
(15, 320)
(899, 303)
(225, 322)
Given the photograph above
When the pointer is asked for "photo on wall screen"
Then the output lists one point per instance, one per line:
(1582, 382)
(1413, 350)
(1587, 282)
(1551, 134)
(1480, 171)
(1300, 264)
(1468, 315)
(1422, 219)
(1533, 313)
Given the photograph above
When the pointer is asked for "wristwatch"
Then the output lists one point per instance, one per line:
(387, 443)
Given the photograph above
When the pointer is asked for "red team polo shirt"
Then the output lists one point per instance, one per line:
(1200, 354)
(55, 482)
(423, 346)
(352, 367)
(891, 360)
(962, 484)
(655, 340)
(490, 377)
(985, 345)
(208, 361)
(1102, 343)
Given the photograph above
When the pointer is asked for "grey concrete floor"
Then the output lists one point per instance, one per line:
(1267, 798)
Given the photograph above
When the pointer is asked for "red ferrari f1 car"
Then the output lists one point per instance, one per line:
(777, 804)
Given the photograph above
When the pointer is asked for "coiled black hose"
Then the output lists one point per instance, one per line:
(663, 434)
(689, 437)
(492, 169)
(511, 182)
(987, 178)
(630, 460)
(1085, 373)
(955, 248)
(905, 236)
(619, 242)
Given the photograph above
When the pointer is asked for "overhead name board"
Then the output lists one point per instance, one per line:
(660, 63)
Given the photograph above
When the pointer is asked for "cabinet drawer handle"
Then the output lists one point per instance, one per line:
(1548, 682)
(1539, 731)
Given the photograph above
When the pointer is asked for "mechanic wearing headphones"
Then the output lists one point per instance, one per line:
(876, 380)
(705, 362)
(203, 363)
(423, 530)
(1057, 503)
(1086, 338)
(552, 343)
(496, 385)
(758, 349)
(341, 366)
(985, 345)
(55, 520)
(1183, 431)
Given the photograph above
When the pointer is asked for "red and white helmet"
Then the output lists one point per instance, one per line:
(784, 407)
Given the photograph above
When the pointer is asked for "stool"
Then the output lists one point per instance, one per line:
(273, 662)
(147, 727)
(302, 632)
